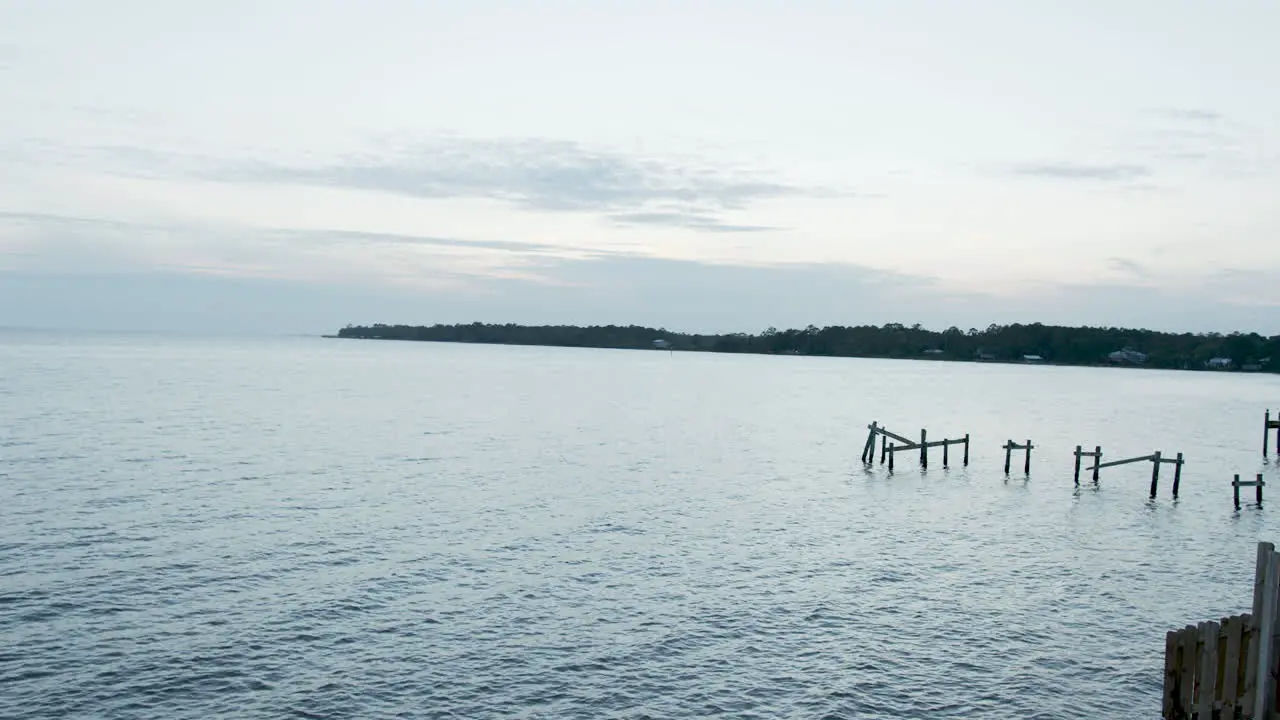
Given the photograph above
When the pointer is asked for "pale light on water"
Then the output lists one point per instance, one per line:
(322, 528)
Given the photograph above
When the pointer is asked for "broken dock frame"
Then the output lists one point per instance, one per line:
(1009, 447)
(1257, 485)
(888, 449)
(1156, 459)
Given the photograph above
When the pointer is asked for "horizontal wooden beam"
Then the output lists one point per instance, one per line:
(1249, 483)
(1088, 453)
(886, 433)
(1171, 461)
(1126, 461)
(1272, 424)
(917, 446)
(1011, 445)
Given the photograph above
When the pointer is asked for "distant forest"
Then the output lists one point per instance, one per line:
(998, 343)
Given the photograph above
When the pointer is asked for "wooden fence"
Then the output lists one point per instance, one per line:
(1211, 670)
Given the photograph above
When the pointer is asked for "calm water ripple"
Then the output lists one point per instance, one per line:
(194, 528)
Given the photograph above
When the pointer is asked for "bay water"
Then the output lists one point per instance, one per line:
(195, 527)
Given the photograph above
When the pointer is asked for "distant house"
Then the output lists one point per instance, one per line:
(1218, 363)
(984, 355)
(933, 351)
(1032, 358)
(661, 345)
(1127, 355)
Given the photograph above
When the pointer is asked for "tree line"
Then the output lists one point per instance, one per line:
(1003, 343)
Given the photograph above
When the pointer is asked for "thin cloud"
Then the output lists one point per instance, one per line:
(547, 175)
(1186, 114)
(544, 175)
(48, 227)
(687, 220)
(1187, 155)
(1129, 266)
(48, 242)
(368, 238)
(1074, 171)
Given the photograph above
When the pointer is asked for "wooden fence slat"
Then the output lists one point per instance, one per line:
(1220, 671)
(1188, 638)
(1259, 576)
(1246, 647)
(1170, 672)
(1233, 668)
(1207, 687)
(1266, 631)
(1265, 550)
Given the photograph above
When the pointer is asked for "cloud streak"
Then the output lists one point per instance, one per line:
(548, 175)
(44, 242)
(533, 174)
(692, 221)
(1077, 171)
(1128, 266)
(1195, 115)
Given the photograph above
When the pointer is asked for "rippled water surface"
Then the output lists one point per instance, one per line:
(195, 528)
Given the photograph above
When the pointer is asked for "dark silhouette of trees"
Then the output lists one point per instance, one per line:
(1005, 343)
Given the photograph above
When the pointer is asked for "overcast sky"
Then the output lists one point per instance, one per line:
(296, 165)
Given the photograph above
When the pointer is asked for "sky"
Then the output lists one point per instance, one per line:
(714, 165)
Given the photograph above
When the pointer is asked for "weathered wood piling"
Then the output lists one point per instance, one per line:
(1267, 426)
(1156, 459)
(1257, 485)
(1009, 447)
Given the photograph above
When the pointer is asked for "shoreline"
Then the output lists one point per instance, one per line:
(937, 359)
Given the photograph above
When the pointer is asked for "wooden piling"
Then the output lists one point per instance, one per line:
(1177, 475)
(1008, 449)
(1235, 490)
(884, 442)
(1026, 463)
(891, 454)
(1258, 488)
(1097, 460)
(946, 445)
(1078, 450)
(966, 449)
(1155, 473)
(1266, 431)
(924, 449)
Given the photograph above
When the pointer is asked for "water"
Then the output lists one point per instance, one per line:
(195, 528)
